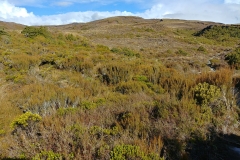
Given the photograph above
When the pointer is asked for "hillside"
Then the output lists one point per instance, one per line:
(120, 88)
(10, 26)
(160, 38)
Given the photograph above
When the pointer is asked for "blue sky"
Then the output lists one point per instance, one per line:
(56, 12)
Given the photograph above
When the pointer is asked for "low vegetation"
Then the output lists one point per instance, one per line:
(65, 96)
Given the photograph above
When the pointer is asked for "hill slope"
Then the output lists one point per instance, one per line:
(121, 87)
(11, 26)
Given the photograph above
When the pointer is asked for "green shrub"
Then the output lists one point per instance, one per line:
(103, 151)
(131, 87)
(202, 49)
(99, 130)
(205, 93)
(125, 51)
(181, 52)
(2, 32)
(102, 49)
(25, 119)
(88, 105)
(100, 101)
(2, 132)
(215, 63)
(155, 88)
(115, 73)
(48, 155)
(116, 50)
(128, 52)
(77, 129)
(122, 152)
(64, 111)
(32, 32)
(70, 37)
(126, 120)
(149, 30)
(219, 32)
(233, 58)
(140, 78)
(19, 78)
(126, 152)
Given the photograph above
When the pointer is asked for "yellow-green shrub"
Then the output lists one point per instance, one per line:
(2, 132)
(102, 49)
(98, 130)
(25, 119)
(88, 105)
(64, 111)
(48, 155)
(113, 73)
(233, 58)
(131, 152)
(131, 87)
(205, 93)
(2, 32)
(32, 32)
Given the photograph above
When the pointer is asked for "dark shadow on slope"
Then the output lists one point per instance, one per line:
(220, 147)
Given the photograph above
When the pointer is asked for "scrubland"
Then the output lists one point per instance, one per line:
(119, 88)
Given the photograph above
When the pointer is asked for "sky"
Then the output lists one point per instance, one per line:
(57, 12)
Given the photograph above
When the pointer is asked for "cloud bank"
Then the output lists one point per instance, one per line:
(227, 11)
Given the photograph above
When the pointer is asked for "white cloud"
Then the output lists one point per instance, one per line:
(77, 17)
(7, 10)
(232, 1)
(225, 12)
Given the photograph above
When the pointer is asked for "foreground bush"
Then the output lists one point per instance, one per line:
(205, 93)
(25, 120)
(131, 152)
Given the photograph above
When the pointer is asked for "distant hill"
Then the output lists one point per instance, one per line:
(119, 20)
(136, 21)
(11, 26)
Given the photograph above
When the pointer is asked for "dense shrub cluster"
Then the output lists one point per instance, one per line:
(131, 152)
(205, 93)
(233, 58)
(25, 119)
(2, 32)
(125, 51)
(32, 32)
(220, 32)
